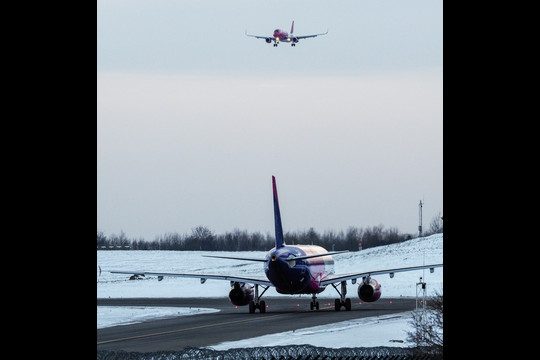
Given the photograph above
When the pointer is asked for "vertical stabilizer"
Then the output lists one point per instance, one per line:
(292, 27)
(277, 215)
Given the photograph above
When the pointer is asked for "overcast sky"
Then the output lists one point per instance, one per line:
(194, 117)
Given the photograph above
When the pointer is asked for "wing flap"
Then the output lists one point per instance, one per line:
(251, 280)
(344, 277)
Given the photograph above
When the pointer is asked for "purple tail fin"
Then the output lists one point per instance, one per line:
(292, 27)
(277, 217)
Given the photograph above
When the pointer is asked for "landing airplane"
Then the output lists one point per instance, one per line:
(293, 269)
(281, 35)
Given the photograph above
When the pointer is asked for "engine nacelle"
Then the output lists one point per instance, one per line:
(268, 41)
(241, 294)
(295, 40)
(369, 290)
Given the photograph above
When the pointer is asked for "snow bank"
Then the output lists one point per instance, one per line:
(124, 315)
(388, 330)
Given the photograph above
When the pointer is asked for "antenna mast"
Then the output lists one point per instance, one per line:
(420, 222)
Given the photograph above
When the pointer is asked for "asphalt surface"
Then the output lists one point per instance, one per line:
(231, 323)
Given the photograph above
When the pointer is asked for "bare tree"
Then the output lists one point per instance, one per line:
(201, 238)
(428, 325)
(436, 225)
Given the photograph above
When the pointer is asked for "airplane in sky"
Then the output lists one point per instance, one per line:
(281, 35)
(293, 269)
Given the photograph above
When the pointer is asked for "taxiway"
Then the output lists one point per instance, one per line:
(230, 323)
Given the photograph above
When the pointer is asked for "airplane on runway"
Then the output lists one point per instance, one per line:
(281, 35)
(293, 269)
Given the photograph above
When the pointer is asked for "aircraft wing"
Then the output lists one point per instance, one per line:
(309, 36)
(203, 277)
(343, 277)
(260, 37)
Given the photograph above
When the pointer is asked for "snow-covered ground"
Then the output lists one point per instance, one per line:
(124, 315)
(388, 330)
(426, 250)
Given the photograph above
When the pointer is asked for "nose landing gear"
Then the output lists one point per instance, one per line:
(314, 304)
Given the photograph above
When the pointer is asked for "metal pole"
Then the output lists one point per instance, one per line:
(420, 223)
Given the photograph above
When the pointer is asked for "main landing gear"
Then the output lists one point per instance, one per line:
(258, 303)
(342, 301)
(276, 44)
(314, 304)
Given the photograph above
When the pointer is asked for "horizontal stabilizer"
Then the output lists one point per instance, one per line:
(318, 255)
(234, 258)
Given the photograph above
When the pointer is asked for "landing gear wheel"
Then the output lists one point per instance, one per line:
(346, 304)
(317, 305)
(342, 301)
(258, 304)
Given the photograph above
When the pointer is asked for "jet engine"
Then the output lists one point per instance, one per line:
(369, 290)
(295, 40)
(241, 294)
(268, 40)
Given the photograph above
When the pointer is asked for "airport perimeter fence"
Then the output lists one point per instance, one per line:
(298, 352)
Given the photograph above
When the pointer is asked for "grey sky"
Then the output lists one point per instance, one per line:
(194, 117)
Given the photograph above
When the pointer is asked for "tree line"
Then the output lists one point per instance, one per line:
(202, 238)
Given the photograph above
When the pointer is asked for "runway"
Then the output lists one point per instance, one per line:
(231, 323)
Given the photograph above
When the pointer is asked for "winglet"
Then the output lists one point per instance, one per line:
(292, 27)
(277, 217)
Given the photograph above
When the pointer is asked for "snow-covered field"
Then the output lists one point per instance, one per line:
(426, 250)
